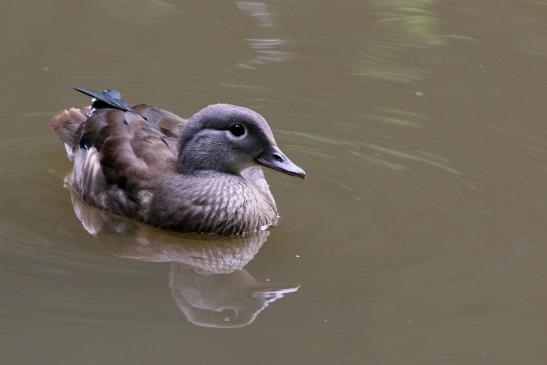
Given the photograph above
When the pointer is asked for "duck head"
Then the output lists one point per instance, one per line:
(228, 139)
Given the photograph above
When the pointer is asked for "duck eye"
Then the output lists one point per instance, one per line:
(237, 130)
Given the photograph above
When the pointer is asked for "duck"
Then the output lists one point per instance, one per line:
(203, 174)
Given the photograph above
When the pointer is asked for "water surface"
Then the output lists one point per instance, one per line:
(418, 238)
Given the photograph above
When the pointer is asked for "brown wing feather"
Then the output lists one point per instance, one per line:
(132, 151)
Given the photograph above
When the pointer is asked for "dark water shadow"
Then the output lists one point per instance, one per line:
(207, 279)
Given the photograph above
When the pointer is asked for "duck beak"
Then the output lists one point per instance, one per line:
(273, 158)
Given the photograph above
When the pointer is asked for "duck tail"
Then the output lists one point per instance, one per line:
(67, 125)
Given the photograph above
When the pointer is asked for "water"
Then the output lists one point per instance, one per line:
(418, 237)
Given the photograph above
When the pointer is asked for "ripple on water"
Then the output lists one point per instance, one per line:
(47, 249)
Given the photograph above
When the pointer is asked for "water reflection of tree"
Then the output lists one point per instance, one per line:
(398, 28)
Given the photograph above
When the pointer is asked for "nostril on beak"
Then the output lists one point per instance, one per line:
(277, 157)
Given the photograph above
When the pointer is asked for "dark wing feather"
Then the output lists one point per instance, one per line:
(106, 98)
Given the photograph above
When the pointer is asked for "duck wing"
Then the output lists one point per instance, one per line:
(118, 154)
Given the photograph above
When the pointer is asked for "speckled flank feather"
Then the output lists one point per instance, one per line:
(125, 162)
(217, 203)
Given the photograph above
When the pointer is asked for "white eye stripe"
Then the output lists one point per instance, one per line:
(231, 136)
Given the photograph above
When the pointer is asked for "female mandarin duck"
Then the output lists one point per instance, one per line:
(202, 174)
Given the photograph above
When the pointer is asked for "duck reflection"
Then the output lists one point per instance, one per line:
(207, 279)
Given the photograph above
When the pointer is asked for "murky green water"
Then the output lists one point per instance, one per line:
(419, 237)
